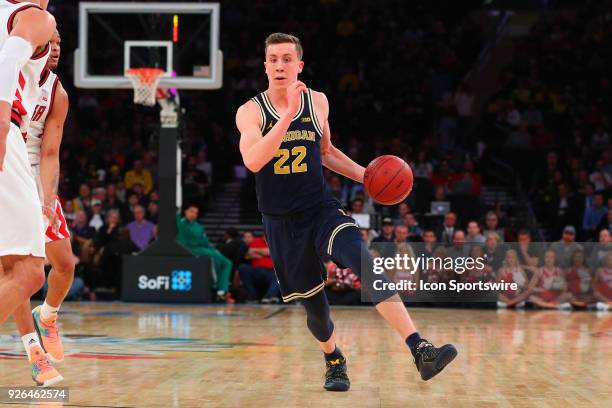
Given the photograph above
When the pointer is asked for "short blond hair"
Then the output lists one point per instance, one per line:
(282, 38)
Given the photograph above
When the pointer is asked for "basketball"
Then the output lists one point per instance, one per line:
(388, 180)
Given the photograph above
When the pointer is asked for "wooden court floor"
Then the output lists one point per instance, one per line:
(129, 355)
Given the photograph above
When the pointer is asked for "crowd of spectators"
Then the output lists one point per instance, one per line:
(553, 110)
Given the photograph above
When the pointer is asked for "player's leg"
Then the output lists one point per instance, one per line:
(223, 269)
(299, 271)
(43, 373)
(347, 248)
(321, 326)
(20, 277)
(60, 279)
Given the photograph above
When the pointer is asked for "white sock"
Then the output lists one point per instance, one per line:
(48, 312)
(30, 340)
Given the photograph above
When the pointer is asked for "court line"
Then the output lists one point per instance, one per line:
(274, 313)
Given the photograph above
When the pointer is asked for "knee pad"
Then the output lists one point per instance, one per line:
(317, 316)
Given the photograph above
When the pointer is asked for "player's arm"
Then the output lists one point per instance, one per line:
(50, 147)
(257, 150)
(32, 28)
(333, 158)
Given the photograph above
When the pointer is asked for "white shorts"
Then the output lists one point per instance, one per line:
(21, 218)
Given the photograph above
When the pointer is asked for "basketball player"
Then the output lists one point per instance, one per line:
(285, 141)
(43, 143)
(25, 31)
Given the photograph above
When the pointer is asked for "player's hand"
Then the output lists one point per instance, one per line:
(294, 97)
(51, 215)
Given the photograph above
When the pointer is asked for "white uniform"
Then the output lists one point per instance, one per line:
(48, 86)
(21, 217)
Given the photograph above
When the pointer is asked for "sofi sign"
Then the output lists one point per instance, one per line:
(177, 281)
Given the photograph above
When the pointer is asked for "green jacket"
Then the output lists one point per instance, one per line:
(191, 234)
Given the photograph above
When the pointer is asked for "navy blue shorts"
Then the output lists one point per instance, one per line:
(300, 243)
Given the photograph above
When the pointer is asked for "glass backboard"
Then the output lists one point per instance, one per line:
(180, 38)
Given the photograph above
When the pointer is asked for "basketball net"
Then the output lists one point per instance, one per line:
(145, 81)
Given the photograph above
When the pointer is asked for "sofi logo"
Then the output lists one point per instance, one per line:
(181, 280)
(178, 280)
(158, 283)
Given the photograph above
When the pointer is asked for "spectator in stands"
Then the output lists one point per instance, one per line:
(458, 249)
(357, 206)
(69, 213)
(601, 250)
(192, 235)
(83, 201)
(84, 235)
(579, 279)
(111, 202)
(566, 209)
(473, 234)
(606, 222)
(415, 233)
(442, 177)
(593, 216)
(110, 230)
(447, 230)
(467, 182)
(234, 248)
(259, 276)
(511, 271)
(565, 247)
(110, 258)
(153, 211)
(473, 272)
(494, 250)
(387, 231)
(528, 253)
(429, 242)
(97, 218)
(600, 178)
(402, 210)
(551, 290)
(401, 234)
(422, 167)
(492, 225)
(142, 231)
(602, 284)
(138, 174)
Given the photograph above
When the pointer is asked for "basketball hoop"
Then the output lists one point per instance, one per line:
(145, 81)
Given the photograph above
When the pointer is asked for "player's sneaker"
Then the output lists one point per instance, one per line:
(43, 373)
(335, 375)
(49, 336)
(431, 360)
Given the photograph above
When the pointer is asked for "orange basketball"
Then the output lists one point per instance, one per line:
(388, 180)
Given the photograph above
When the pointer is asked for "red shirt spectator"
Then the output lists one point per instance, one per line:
(259, 258)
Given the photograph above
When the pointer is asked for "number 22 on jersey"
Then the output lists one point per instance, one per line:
(297, 155)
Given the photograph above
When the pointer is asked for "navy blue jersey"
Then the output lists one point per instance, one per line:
(293, 180)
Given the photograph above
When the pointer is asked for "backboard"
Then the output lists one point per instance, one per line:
(180, 38)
